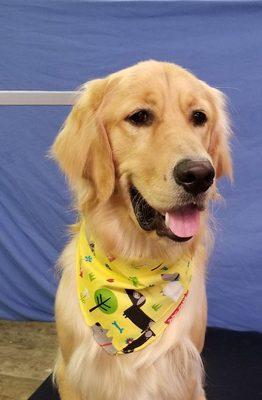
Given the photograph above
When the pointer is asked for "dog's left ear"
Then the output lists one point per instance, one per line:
(219, 147)
(82, 148)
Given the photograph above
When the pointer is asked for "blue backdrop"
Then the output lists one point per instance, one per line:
(58, 45)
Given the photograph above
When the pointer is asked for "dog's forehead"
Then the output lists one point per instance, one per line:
(151, 82)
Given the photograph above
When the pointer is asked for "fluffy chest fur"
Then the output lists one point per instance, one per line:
(173, 357)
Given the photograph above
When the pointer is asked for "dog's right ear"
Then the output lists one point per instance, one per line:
(82, 148)
(219, 147)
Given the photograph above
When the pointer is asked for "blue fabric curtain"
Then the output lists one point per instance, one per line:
(60, 44)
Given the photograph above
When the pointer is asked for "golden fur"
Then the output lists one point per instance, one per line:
(101, 153)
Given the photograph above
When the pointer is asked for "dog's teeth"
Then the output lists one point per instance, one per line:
(167, 219)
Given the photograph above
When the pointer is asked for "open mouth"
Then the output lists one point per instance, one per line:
(179, 225)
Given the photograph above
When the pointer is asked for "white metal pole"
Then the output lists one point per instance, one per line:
(37, 98)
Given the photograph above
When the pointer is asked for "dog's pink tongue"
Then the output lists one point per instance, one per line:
(184, 222)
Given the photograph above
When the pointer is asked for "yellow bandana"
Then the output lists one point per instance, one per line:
(127, 304)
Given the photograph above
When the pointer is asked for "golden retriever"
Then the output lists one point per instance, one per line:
(142, 150)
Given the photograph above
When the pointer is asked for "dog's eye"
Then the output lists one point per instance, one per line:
(141, 118)
(198, 118)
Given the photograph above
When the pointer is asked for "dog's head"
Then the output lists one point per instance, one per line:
(155, 136)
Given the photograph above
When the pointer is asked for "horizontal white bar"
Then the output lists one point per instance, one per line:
(36, 98)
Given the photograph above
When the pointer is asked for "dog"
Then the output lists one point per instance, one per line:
(142, 150)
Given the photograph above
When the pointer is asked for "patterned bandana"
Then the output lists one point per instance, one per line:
(128, 304)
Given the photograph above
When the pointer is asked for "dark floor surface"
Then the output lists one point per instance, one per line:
(233, 363)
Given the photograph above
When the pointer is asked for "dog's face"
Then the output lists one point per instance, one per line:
(154, 134)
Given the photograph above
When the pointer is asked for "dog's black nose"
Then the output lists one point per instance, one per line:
(195, 176)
